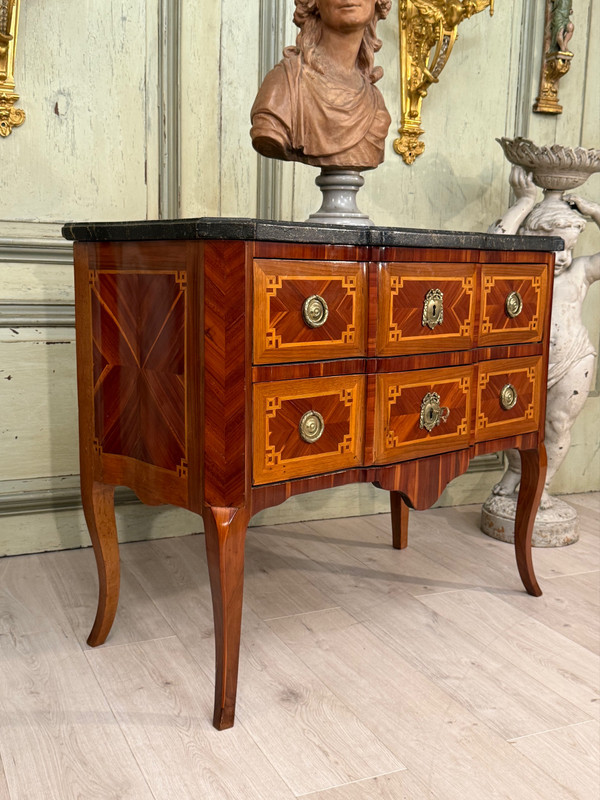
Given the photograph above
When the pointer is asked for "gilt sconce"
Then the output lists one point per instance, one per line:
(428, 30)
(556, 59)
(10, 117)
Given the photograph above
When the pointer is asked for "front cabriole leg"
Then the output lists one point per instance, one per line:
(533, 475)
(225, 531)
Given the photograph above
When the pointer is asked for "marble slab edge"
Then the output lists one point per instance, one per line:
(300, 232)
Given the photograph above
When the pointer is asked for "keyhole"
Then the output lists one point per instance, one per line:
(434, 310)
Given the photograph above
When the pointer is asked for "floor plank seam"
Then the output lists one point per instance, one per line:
(350, 783)
(302, 613)
(569, 575)
(448, 591)
(108, 646)
(551, 730)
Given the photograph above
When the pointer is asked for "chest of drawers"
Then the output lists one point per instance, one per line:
(226, 365)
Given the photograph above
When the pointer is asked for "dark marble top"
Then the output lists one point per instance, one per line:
(299, 232)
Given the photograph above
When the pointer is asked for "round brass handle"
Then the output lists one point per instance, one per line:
(513, 305)
(433, 308)
(311, 426)
(432, 414)
(315, 311)
(508, 397)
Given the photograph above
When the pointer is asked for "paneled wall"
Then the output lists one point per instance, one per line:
(140, 108)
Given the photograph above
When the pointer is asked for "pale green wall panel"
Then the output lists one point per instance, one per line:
(101, 109)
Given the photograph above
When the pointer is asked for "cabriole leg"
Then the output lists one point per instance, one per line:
(99, 509)
(225, 531)
(533, 474)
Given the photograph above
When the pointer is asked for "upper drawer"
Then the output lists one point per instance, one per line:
(425, 308)
(513, 300)
(306, 311)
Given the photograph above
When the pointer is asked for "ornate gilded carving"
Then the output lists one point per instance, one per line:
(10, 117)
(556, 60)
(428, 30)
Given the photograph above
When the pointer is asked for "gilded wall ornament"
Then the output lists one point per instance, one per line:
(10, 117)
(428, 30)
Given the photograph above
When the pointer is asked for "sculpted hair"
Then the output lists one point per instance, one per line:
(308, 19)
(548, 220)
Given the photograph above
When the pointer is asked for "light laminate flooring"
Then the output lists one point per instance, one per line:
(366, 673)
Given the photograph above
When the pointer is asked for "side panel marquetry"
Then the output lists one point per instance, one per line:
(407, 298)
(138, 339)
(399, 433)
(281, 290)
(527, 287)
(508, 397)
(280, 452)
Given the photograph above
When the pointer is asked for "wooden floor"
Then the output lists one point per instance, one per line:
(366, 673)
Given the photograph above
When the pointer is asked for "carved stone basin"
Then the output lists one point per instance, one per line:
(554, 168)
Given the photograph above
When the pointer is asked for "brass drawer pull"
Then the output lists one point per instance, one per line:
(433, 308)
(432, 414)
(513, 305)
(311, 426)
(508, 397)
(315, 311)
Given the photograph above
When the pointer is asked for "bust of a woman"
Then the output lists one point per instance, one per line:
(319, 105)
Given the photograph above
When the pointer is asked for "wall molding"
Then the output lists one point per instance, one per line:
(67, 497)
(23, 250)
(169, 58)
(37, 315)
(269, 200)
(51, 500)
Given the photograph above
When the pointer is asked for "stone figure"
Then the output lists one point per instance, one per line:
(572, 355)
(319, 105)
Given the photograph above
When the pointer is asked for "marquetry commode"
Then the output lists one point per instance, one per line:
(225, 365)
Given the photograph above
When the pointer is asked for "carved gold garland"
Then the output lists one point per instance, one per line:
(428, 30)
(10, 117)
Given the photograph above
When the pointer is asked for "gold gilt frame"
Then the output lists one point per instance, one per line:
(10, 117)
(428, 30)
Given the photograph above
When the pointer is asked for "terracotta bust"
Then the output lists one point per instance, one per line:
(319, 104)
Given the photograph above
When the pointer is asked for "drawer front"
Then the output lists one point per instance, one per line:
(307, 311)
(508, 397)
(425, 308)
(513, 302)
(306, 427)
(405, 413)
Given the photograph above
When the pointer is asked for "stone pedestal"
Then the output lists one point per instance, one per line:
(339, 188)
(554, 527)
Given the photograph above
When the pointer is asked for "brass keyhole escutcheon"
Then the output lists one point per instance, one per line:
(315, 311)
(311, 426)
(433, 308)
(432, 414)
(513, 305)
(508, 397)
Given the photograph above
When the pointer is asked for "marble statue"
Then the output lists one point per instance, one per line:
(319, 105)
(572, 355)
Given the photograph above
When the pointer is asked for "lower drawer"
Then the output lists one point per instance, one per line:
(422, 412)
(305, 427)
(509, 394)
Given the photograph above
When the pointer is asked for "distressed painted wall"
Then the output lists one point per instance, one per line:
(137, 108)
